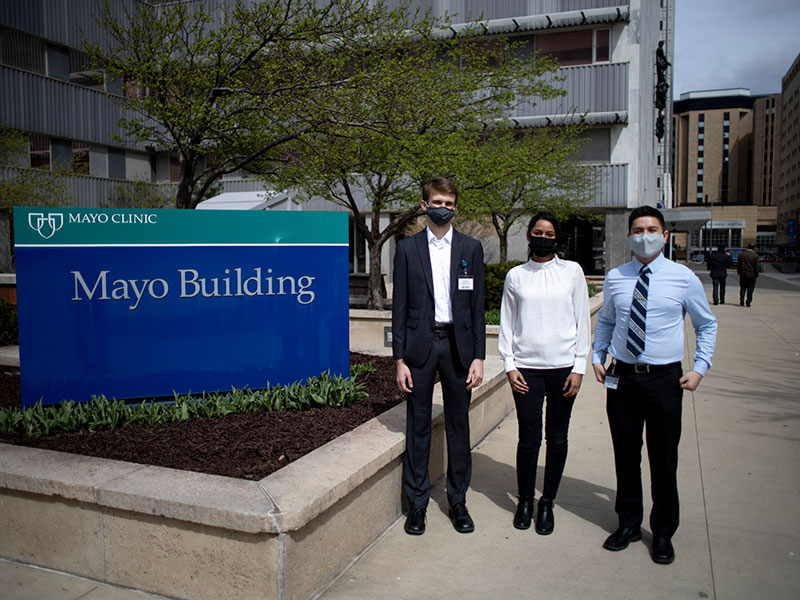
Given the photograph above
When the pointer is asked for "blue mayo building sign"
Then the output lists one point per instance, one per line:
(146, 303)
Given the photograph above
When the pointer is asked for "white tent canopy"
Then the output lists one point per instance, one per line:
(260, 200)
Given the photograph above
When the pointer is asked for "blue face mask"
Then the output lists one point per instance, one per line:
(646, 245)
(440, 215)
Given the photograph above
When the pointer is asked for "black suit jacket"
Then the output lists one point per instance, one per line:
(718, 264)
(413, 305)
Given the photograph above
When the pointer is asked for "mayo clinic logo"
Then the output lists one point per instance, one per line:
(46, 224)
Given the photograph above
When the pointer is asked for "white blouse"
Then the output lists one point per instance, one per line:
(544, 317)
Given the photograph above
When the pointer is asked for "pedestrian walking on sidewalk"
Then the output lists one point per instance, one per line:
(544, 341)
(438, 327)
(641, 326)
(718, 264)
(748, 267)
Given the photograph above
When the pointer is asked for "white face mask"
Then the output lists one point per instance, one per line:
(646, 245)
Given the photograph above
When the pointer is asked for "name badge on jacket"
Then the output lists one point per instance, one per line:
(465, 283)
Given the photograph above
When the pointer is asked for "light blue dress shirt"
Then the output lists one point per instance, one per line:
(673, 291)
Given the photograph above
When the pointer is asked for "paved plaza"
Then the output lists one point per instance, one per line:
(739, 480)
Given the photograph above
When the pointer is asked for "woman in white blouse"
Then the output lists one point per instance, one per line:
(544, 341)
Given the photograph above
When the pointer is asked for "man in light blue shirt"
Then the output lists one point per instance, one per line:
(641, 326)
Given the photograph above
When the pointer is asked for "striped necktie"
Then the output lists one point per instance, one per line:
(636, 325)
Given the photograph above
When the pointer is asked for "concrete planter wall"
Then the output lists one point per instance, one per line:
(190, 535)
(196, 536)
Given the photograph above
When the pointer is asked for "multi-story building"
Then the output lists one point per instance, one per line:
(726, 158)
(789, 186)
(606, 48)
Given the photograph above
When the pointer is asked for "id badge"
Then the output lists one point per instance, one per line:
(465, 283)
(611, 382)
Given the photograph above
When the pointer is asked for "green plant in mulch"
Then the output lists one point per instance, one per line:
(101, 413)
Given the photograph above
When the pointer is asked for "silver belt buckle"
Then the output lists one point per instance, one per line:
(640, 368)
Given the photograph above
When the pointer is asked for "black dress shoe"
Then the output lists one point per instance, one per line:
(462, 522)
(544, 517)
(415, 521)
(524, 514)
(663, 553)
(620, 539)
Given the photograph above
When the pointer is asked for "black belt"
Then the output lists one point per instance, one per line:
(442, 327)
(640, 368)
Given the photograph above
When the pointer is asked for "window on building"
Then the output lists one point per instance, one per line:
(700, 148)
(79, 72)
(58, 62)
(23, 52)
(700, 135)
(602, 45)
(116, 163)
(80, 158)
(40, 151)
(726, 116)
(699, 177)
(61, 154)
(701, 117)
(574, 47)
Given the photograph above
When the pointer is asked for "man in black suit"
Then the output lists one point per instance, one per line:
(438, 326)
(718, 264)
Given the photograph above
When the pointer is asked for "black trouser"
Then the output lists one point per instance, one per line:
(443, 359)
(718, 284)
(653, 400)
(541, 383)
(746, 285)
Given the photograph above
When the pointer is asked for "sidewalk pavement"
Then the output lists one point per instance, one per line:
(740, 496)
(739, 481)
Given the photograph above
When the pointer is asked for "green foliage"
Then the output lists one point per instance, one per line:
(140, 194)
(23, 186)
(233, 82)
(592, 289)
(493, 316)
(101, 413)
(494, 277)
(9, 332)
(396, 136)
(512, 173)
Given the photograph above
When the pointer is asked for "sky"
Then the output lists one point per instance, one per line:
(734, 43)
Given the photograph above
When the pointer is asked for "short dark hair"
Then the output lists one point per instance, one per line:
(720, 247)
(439, 184)
(646, 211)
(751, 246)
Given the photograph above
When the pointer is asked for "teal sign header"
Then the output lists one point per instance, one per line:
(115, 227)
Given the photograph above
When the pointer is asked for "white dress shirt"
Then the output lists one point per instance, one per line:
(544, 317)
(439, 250)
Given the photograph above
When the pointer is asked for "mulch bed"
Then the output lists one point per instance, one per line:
(241, 446)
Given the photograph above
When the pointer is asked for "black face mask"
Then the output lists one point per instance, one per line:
(440, 215)
(542, 246)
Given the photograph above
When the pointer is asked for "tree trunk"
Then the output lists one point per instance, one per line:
(502, 237)
(374, 298)
(184, 196)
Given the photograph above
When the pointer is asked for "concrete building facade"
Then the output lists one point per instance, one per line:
(725, 158)
(789, 182)
(607, 51)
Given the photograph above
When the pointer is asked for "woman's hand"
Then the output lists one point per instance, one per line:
(517, 382)
(572, 385)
